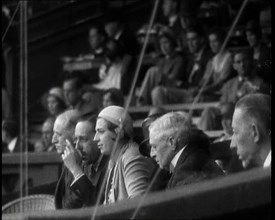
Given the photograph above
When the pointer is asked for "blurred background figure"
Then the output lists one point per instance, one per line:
(10, 137)
(113, 96)
(45, 143)
(55, 101)
(261, 52)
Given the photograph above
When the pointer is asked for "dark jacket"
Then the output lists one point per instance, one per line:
(195, 163)
(198, 74)
(83, 192)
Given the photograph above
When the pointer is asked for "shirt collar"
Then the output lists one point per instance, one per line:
(11, 145)
(172, 20)
(267, 162)
(118, 34)
(175, 160)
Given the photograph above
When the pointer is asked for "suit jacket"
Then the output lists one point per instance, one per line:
(194, 165)
(83, 192)
(132, 173)
(233, 89)
(88, 187)
(199, 73)
(64, 197)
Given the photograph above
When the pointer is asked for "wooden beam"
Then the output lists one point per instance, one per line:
(245, 193)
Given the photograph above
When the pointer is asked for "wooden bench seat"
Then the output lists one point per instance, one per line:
(142, 111)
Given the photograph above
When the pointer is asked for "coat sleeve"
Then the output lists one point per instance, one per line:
(138, 172)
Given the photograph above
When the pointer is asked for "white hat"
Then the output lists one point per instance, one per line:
(57, 92)
(115, 115)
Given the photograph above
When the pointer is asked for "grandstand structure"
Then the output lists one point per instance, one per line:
(50, 36)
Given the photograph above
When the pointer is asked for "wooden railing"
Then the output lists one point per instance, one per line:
(43, 168)
(142, 111)
(241, 195)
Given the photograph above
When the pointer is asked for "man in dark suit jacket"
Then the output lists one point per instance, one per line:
(84, 167)
(10, 137)
(182, 149)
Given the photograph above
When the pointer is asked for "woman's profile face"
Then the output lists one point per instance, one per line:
(53, 105)
(214, 43)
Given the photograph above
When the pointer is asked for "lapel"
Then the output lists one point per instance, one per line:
(184, 155)
(59, 190)
(95, 178)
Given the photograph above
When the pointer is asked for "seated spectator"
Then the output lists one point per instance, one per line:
(181, 149)
(11, 139)
(73, 92)
(218, 69)
(188, 18)
(129, 172)
(64, 130)
(252, 130)
(245, 82)
(227, 110)
(167, 70)
(96, 39)
(113, 96)
(192, 76)
(45, 144)
(88, 175)
(170, 10)
(117, 29)
(111, 72)
(261, 52)
(55, 101)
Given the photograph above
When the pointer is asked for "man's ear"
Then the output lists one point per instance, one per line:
(172, 143)
(255, 132)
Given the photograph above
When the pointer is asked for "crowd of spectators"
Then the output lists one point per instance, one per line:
(89, 128)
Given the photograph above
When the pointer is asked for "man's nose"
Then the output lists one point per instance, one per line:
(78, 145)
(54, 139)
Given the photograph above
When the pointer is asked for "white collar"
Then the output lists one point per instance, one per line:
(118, 34)
(11, 145)
(175, 159)
(172, 20)
(267, 162)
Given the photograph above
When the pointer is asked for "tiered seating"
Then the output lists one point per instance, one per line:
(140, 113)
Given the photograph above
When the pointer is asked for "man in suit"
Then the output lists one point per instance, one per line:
(73, 93)
(246, 82)
(252, 130)
(88, 176)
(64, 127)
(182, 149)
(84, 167)
(129, 172)
(10, 137)
(116, 29)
